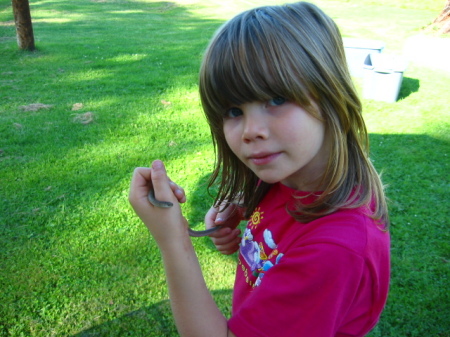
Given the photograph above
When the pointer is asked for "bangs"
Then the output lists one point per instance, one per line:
(244, 63)
(238, 75)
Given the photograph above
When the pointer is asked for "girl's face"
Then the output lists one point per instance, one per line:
(279, 141)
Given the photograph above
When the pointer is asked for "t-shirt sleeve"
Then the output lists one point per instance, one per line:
(307, 293)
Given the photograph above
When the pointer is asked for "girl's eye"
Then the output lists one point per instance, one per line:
(277, 101)
(233, 113)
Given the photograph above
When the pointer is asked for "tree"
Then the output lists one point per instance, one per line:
(24, 26)
(443, 20)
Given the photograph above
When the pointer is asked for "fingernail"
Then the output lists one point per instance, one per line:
(219, 220)
(157, 164)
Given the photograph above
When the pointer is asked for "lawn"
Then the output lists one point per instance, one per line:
(112, 86)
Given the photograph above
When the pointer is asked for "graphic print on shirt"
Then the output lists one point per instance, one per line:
(258, 262)
(256, 218)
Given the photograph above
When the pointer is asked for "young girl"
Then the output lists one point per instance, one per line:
(292, 158)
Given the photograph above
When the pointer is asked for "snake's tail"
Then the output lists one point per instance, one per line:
(167, 204)
(206, 232)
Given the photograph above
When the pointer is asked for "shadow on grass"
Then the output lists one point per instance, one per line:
(155, 320)
(409, 86)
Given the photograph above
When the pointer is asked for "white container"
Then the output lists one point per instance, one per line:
(382, 77)
(356, 51)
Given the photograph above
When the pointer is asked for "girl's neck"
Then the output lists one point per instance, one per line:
(306, 186)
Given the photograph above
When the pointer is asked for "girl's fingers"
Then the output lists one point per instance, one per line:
(226, 240)
(160, 182)
(230, 247)
(178, 192)
(226, 215)
(211, 219)
(166, 224)
(230, 217)
(224, 235)
(139, 184)
(221, 233)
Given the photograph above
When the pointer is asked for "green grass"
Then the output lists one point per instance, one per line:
(75, 260)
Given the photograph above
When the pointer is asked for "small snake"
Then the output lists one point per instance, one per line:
(167, 204)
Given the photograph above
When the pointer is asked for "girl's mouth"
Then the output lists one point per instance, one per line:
(263, 158)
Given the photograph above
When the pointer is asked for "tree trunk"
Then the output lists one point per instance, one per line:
(443, 19)
(24, 27)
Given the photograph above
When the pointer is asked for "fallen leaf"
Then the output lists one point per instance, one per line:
(165, 103)
(77, 106)
(18, 126)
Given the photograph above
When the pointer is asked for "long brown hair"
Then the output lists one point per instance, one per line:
(293, 51)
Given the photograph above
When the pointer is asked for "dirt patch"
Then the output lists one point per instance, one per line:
(35, 107)
(84, 118)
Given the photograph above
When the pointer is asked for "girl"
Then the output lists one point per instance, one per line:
(292, 150)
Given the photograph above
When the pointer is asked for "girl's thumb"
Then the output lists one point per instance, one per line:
(160, 182)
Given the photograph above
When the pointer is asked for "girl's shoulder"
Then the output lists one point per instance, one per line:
(350, 228)
(353, 229)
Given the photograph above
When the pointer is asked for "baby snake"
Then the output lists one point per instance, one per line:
(167, 204)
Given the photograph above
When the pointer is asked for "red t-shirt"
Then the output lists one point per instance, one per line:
(329, 277)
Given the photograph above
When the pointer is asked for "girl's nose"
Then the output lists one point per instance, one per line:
(255, 124)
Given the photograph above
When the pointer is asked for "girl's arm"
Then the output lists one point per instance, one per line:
(195, 312)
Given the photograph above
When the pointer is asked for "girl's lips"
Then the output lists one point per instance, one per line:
(263, 158)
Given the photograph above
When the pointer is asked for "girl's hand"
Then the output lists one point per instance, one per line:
(226, 239)
(178, 192)
(165, 224)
